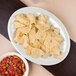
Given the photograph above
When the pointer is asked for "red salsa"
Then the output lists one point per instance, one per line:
(12, 66)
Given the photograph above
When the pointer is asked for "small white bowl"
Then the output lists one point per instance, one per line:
(65, 46)
(24, 60)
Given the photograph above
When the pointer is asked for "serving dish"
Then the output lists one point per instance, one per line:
(24, 60)
(65, 46)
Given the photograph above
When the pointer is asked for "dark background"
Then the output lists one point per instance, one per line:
(65, 68)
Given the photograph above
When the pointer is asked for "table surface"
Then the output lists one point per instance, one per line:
(65, 68)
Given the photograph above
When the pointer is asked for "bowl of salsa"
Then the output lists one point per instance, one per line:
(13, 64)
